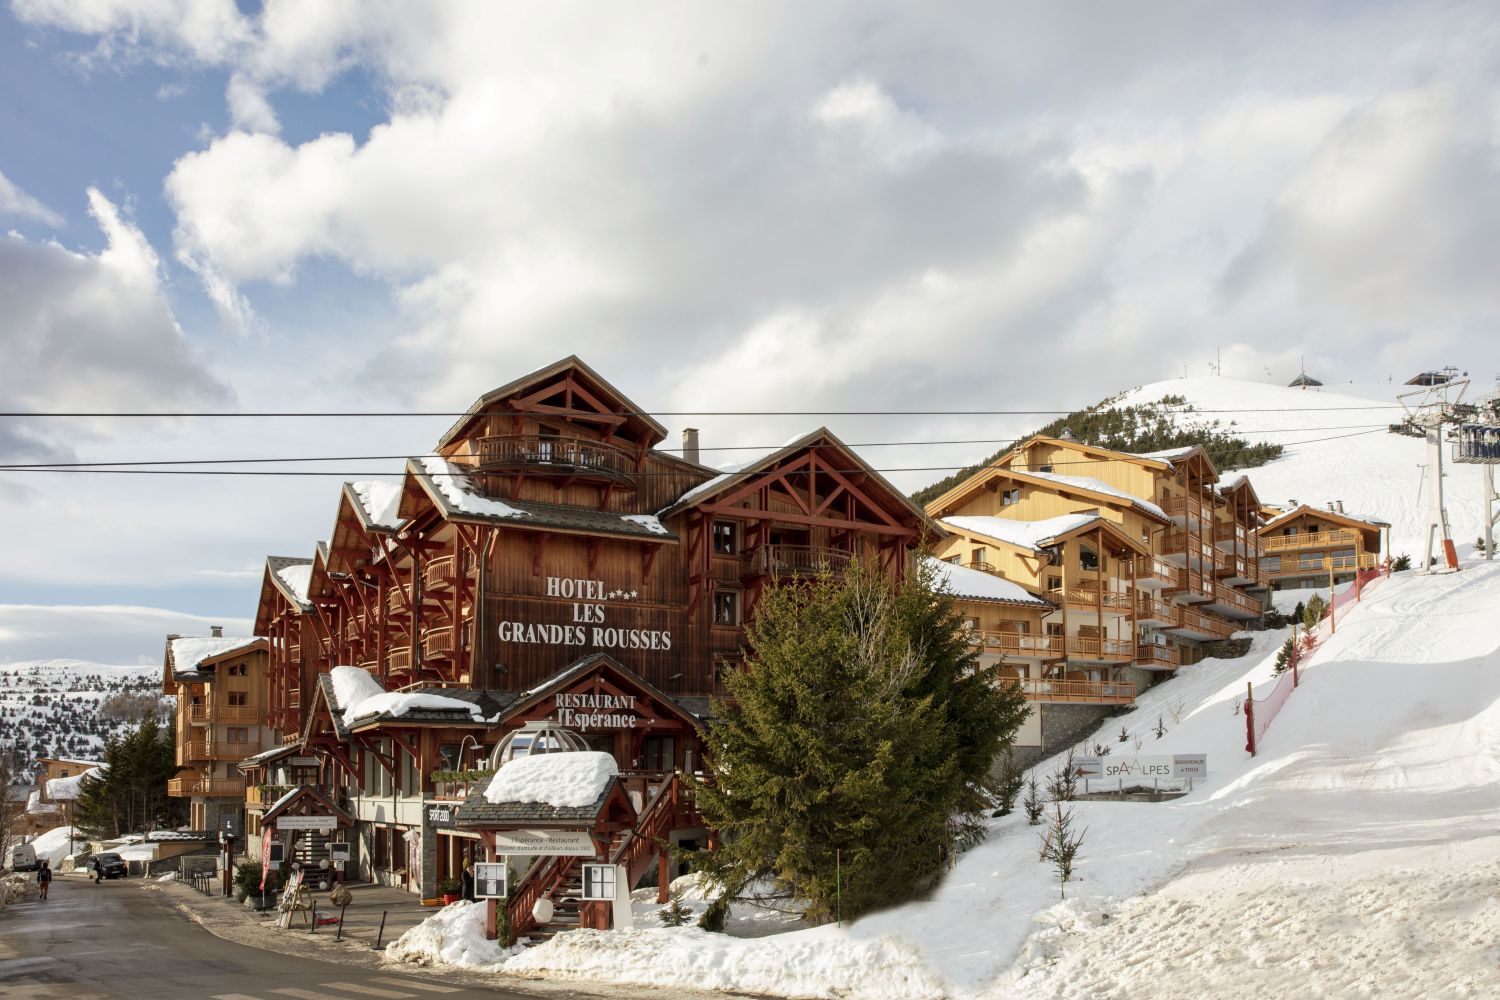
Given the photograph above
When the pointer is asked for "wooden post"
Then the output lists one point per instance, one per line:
(663, 876)
(1250, 717)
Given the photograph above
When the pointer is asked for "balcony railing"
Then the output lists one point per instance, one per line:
(223, 713)
(1214, 628)
(1020, 644)
(438, 642)
(1193, 585)
(1152, 572)
(573, 457)
(1229, 534)
(1092, 692)
(1100, 649)
(1182, 506)
(395, 604)
(440, 573)
(1194, 546)
(1152, 656)
(983, 567)
(199, 785)
(1231, 598)
(1149, 611)
(801, 560)
(1308, 540)
(398, 658)
(1088, 598)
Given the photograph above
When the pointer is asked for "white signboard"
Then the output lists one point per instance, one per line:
(489, 880)
(338, 852)
(588, 604)
(599, 882)
(1138, 768)
(571, 843)
(305, 822)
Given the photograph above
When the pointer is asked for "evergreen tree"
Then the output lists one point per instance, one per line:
(857, 748)
(129, 793)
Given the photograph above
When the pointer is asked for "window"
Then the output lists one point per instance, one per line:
(972, 624)
(726, 538)
(981, 555)
(660, 753)
(1054, 583)
(1044, 468)
(1008, 497)
(238, 698)
(239, 669)
(1088, 559)
(237, 734)
(954, 560)
(726, 607)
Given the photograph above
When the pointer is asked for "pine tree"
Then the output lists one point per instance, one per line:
(1033, 803)
(129, 793)
(857, 746)
(674, 914)
(1284, 655)
(1061, 845)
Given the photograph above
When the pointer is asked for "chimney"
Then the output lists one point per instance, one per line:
(1341, 505)
(690, 444)
(216, 631)
(1330, 506)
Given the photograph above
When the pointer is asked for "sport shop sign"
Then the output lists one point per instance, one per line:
(589, 602)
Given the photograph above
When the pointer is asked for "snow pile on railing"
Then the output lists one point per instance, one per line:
(360, 696)
(569, 779)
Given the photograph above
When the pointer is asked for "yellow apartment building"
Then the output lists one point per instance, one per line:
(220, 685)
(1301, 546)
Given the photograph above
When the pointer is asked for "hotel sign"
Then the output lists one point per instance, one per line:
(1137, 768)
(569, 843)
(589, 603)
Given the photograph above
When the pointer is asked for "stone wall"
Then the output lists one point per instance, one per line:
(1228, 649)
(1064, 726)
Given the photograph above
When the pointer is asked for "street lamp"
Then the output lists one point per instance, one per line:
(477, 746)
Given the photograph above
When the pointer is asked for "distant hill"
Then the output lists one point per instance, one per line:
(67, 708)
(1142, 423)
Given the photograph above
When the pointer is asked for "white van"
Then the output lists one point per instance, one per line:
(21, 858)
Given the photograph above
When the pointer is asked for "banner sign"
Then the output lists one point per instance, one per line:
(570, 843)
(1138, 768)
(306, 822)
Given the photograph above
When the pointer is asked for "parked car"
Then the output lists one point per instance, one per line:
(110, 865)
(21, 858)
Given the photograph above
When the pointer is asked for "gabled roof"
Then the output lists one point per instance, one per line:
(273, 582)
(976, 585)
(1239, 484)
(1036, 536)
(1357, 521)
(478, 811)
(305, 797)
(591, 381)
(1083, 486)
(189, 658)
(823, 439)
(268, 756)
(591, 664)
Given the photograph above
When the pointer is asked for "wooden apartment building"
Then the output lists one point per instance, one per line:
(546, 565)
(1141, 560)
(1301, 547)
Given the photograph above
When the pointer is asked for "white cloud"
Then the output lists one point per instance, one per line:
(101, 633)
(201, 30)
(248, 107)
(14, 201)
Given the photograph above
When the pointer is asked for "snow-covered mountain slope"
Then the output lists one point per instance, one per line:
(58, 707)
(1356, 855)
(1337, 448)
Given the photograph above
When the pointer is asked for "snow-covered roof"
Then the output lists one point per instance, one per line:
(296, 579)
(360, 696)
(557, 779)
(379, 500)
(189, 652)
(66, 789)
(456, 489)
(35, 805)
(647, 521)
(268, 755)
(175, 836)
(1335, 515)
(1100, 486)
(1168, 455)
(1033, 535)
(965, 582)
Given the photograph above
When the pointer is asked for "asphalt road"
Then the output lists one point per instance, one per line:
(101, 942)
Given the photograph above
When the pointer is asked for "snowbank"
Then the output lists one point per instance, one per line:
(575, 778)
(53, 846)
(453, 935)
(297, 578)
(745, 920)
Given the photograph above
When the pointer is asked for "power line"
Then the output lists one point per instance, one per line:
(402, 414)
(102, 463)
(89, 469)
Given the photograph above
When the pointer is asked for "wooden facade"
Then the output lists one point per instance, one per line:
(1309, 547)
(547, 541)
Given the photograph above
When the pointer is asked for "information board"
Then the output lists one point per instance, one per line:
(490, 880)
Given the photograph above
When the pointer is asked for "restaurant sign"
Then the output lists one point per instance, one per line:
(569, 843)
(584, 711)
(305, 822)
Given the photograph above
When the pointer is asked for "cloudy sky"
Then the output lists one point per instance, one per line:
(324, 205)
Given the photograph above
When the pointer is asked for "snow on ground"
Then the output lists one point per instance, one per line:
(745, 920)
(1337, 448)
(558, 779)
(53, 845)
(453, 935)
(1356, 855)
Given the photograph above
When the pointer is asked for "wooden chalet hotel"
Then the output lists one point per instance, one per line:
(546, 568)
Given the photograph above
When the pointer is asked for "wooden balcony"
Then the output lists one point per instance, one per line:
(1152, 573)
(1150, 656)
(194, 750)
(395, 605)
(1092, 599)
(799, 560)
(1100, 650)
(1180, 508)
(572, 458)
(1194, 549)
(398, 658)
(1042, 689)
(1017, 644)
(199, 714)
(195, 784)
(1203, 627)
(1309, 540)
(983, 567)
(1230, 535)
(1149, 611)
(440, 574)
(1230, 601)
(438, 643)
(1192, 586)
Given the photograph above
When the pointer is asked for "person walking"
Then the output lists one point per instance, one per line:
(468, 879)
(44, 878)
(98, 871)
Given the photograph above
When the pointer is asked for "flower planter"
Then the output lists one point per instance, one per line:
(450, 897)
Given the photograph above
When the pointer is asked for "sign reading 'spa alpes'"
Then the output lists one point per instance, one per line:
(589, 605)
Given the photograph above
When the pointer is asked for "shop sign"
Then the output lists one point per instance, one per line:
(440, 815)
(589, 602)
(305, 822)
(584, 711)
(569, 843)
(302, 761)
(1136, 768)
